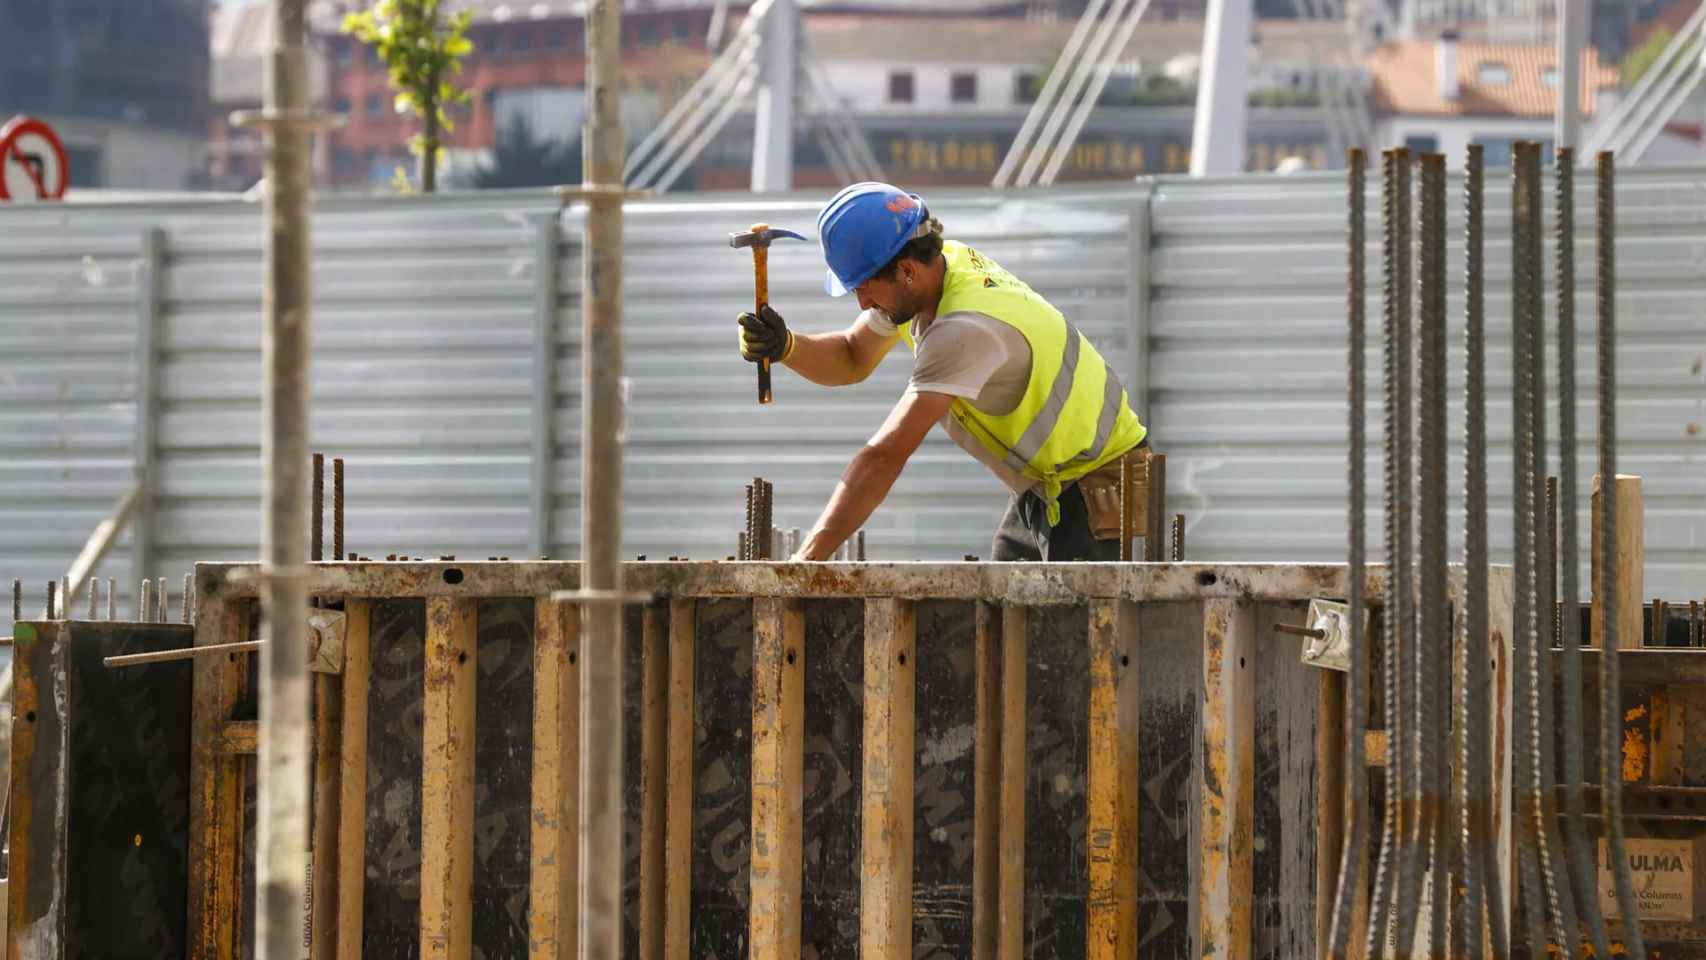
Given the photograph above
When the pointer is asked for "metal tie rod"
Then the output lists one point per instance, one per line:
(1069, 57)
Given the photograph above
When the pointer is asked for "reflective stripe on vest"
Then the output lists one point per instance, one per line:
(1064, 427)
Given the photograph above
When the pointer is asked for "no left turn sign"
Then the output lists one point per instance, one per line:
(32, 162)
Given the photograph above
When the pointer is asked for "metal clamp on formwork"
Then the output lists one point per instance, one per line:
(326, 640)
(1329, 635)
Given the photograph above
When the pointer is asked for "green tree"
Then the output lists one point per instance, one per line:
(1642, 58)
(422, 50)
(521, 159)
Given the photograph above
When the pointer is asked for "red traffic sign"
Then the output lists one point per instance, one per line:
(33, 165)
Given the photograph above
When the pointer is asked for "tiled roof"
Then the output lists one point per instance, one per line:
(1403, 75)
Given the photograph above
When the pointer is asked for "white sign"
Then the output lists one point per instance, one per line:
(33, 165)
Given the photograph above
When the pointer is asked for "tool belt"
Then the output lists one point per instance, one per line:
(1101, 490)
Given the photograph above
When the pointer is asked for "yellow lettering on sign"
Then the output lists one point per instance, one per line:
(986, 154)
(1137, 161)
(951, 155)
(897, 152)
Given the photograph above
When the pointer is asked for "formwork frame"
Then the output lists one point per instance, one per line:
(1006, 594)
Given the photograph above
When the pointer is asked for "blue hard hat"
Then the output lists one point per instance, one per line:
(862, 228)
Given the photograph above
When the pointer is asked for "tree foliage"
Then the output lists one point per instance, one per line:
(422, 50)
(1641, 59)
(522, 159)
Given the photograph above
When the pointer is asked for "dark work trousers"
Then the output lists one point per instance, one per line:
(1024, 533)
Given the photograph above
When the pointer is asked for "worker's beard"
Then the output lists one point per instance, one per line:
(908, 309)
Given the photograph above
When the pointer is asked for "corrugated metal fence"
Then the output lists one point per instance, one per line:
(446, 369)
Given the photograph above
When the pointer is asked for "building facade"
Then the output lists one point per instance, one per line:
(125, 82)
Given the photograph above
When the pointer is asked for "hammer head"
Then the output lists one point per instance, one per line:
(761, 235)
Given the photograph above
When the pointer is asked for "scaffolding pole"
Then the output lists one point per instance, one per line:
(601, 475)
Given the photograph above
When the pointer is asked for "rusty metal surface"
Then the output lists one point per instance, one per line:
(1028, 584)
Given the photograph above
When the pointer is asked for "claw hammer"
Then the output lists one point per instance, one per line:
(759, 238)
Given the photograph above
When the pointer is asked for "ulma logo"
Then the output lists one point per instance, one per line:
(900, 203)
(1653, 862)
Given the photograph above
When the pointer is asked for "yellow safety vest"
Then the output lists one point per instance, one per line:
(1074, 417)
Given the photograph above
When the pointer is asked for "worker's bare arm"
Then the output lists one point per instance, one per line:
(873, 472)
(840, 358)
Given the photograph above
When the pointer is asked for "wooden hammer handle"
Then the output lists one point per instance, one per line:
(761, 284)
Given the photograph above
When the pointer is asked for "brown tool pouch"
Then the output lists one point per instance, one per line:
(1101, 490)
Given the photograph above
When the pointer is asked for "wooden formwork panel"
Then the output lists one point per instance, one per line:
(1054, 788)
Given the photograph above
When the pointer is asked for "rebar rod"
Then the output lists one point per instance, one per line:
(1409, 735)
(1583, 870)
(143, 607)
(1611, 700)
(317, 508)
(1483, 905)
(94, 597)
(1526, 770)
(112, 598)
(160, 608)
(52, 596)
(337, 508)
(1380, 902)
(17, 600)
(1433, 614)
(189, 602)
(1351, 882)
(1554, 863)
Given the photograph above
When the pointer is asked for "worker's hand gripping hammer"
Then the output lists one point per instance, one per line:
(759, 238)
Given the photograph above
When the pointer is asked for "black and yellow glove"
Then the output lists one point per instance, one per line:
(765, 336)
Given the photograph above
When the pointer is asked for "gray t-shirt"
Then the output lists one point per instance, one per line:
(977, 358)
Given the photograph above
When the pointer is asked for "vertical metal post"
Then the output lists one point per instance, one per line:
(601, 496)
(773, 121)
(1611, 703)
(547, 253)
(1572, 26)
(1217, 138)
(282, 847)
(17, 600)
(148, 337)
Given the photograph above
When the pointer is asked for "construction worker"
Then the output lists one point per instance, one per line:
(1003, 372)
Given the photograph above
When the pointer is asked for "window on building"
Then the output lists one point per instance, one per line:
(962, 88)
(523, 40)
(373, 105)
(1422, 144)
(340, 105)
(1493, 74)
(555, 37)
(1025, 87)
(343, 53)
(494, 42)
(1549, 76)
(682, 31)
(900, 86)
(649, 35)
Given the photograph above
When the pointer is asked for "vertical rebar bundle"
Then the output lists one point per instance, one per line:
(1583, 869)
(1356, 718)
(1611, 700)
